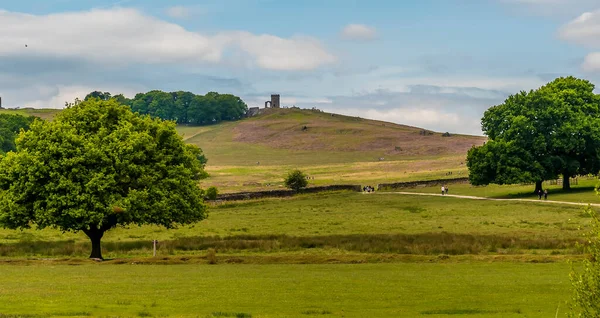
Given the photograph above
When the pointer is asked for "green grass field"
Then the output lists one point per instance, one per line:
(333, 224)
(338, 254)
(365, 290)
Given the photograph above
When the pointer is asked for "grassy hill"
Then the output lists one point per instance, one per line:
(256, 153)
(42, 113)
(280, 134)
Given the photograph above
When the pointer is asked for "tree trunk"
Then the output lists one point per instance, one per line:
(95, 236)
(538, 187)
(566, 181)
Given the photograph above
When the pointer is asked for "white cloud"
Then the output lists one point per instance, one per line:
(275, 53)
(59, 94)
(591, 63)
(359, 32)
(182, 12)
(429, 118)
(585, 31)
(123, 35)
(43, 93)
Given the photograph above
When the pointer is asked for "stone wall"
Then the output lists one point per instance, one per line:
(252, 111)
(414, 184)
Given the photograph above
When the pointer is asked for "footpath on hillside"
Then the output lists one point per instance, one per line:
(491, 199)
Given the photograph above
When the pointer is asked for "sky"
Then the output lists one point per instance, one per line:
(435, 64)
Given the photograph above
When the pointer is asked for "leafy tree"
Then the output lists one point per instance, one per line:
(98, 94)
(182, 107)
(211, 193)
(122, 99)
(96, 166)
(552, 131)
(10, 126)
(296, 180)
(586, 284)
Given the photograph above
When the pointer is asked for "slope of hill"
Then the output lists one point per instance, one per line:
(42, 113)
(290, 135)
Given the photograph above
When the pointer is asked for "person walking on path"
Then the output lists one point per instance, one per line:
(546, 194)
(443, 190)
(446, 188)
(539, 194)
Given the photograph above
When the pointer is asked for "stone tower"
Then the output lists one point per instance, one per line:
(275, 101)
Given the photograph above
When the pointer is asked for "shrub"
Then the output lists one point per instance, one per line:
(296, 180)
(211, 193)
(586, 284)
(211, 256)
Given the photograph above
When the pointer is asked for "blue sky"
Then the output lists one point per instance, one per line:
(437, 64)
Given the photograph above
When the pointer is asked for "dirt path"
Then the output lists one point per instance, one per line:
(491, 199)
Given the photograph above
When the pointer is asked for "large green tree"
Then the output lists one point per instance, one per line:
(96, 166)
(10, 126)
(539, 135)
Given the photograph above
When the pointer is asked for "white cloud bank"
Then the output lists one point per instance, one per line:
(124, 35)
(585, 31)
(359, 32)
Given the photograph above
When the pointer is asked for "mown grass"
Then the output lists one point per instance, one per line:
(365, 290)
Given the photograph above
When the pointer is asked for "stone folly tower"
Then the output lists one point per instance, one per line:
(274, 102)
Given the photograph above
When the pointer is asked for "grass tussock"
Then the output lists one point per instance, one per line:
(468, 312)
(419, 244)
(231, 314)
(316, 312)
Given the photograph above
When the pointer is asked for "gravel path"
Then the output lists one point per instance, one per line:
(490, 199)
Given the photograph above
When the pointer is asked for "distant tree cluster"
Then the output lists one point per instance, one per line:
(182, 107)
(540, 135)
(10, 126)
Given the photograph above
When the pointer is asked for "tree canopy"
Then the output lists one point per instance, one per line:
(539, 135)
(98, 165)
(182, 107)
(296, 180)
(10, 126)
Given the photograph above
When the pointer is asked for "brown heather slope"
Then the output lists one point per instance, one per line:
(308, 130)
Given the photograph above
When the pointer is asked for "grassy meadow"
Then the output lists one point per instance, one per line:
(334, 224)
(333, 254)
(343, 290)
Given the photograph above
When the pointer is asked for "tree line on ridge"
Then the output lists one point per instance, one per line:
(185, 108)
